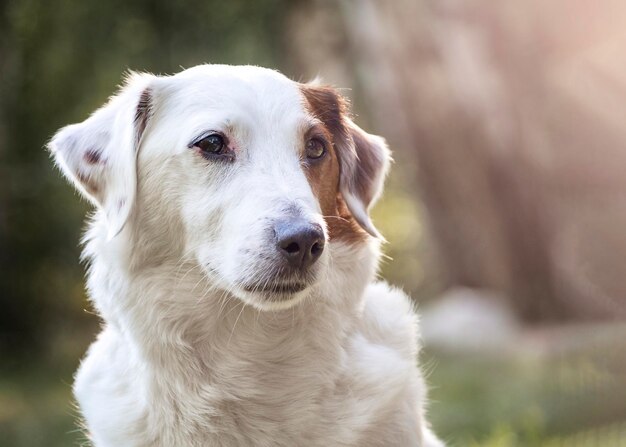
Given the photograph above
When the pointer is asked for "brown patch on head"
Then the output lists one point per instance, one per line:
(324, 104)
(323, 174)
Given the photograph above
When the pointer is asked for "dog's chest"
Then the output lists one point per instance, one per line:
(212, 415)
(270, 398)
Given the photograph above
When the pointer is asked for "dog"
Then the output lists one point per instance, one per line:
(233, 260)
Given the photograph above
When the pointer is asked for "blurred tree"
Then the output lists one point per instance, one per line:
(507, 122)
(512, 114)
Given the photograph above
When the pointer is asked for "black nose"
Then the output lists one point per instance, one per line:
(300, 242)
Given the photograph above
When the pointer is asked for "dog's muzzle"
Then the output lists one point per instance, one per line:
(297, 245)
(299, 242)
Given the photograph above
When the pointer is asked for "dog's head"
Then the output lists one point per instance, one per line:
(252, 175)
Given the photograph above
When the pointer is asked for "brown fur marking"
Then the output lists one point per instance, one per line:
(92, 156)
(367, 166)
(325, 104)
(142, 114)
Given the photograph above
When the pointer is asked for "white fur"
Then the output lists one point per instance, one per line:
(186, 356)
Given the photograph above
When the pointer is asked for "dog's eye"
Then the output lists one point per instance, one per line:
(315, 149)
(212, 144)
(214, 147)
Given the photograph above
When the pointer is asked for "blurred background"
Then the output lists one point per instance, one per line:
(505, 211)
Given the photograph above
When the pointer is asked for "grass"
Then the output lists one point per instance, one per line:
(573, 395)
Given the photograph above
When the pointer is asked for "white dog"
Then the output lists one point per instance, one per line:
(232, 261)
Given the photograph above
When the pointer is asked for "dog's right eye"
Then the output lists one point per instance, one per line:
(213, 146)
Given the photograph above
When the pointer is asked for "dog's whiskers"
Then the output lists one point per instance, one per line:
(336, 217)
(243, 307)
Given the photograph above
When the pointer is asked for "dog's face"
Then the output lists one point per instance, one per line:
(254, 176)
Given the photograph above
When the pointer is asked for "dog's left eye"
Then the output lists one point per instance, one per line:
(315, 149)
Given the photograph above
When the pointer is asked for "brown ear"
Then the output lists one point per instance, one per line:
(363, 158)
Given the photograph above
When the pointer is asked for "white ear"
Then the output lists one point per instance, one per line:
(364, 164)
(99, 155)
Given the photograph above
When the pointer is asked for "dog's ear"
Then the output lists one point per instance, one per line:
(99, 155)
(363, 158)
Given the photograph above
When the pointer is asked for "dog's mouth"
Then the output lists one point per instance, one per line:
(276, 288)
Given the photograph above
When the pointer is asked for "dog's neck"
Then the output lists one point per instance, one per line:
(172, 316)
